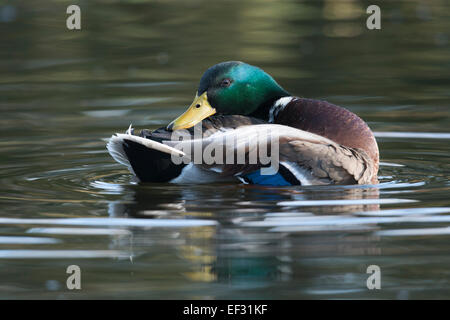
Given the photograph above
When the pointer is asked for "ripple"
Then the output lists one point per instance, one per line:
(69, 184)
(106, 113)
(345, 202)
(389, 164)
(62, 254)
(414, 232)
(124, 222)
(108, 188)
(27, 240)
(81, 231)
(333, 222)
(413, 135)
(399, 185)
(333, 292)
(405, 212)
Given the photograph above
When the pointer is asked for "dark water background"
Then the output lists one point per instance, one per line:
(64, 201)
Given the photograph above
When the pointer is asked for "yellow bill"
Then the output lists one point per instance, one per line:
(200, 109)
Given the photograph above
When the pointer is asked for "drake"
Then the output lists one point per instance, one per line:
(319, 143)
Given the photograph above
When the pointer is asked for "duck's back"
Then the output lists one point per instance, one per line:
(330, 121)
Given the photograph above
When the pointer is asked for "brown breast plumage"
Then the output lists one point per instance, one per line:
(330, 121)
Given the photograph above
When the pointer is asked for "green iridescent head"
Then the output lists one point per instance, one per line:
(231, 88)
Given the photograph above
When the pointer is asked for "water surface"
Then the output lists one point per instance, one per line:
(64, 201)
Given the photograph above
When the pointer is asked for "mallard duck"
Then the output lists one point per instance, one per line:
(317, 142)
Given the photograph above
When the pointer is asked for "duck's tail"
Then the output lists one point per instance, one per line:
(147, 159)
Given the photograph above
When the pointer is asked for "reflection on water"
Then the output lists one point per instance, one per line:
(65, 201)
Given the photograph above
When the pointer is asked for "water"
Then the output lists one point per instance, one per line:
(64, 201)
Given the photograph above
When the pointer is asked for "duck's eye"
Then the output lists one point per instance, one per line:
(225, 83)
